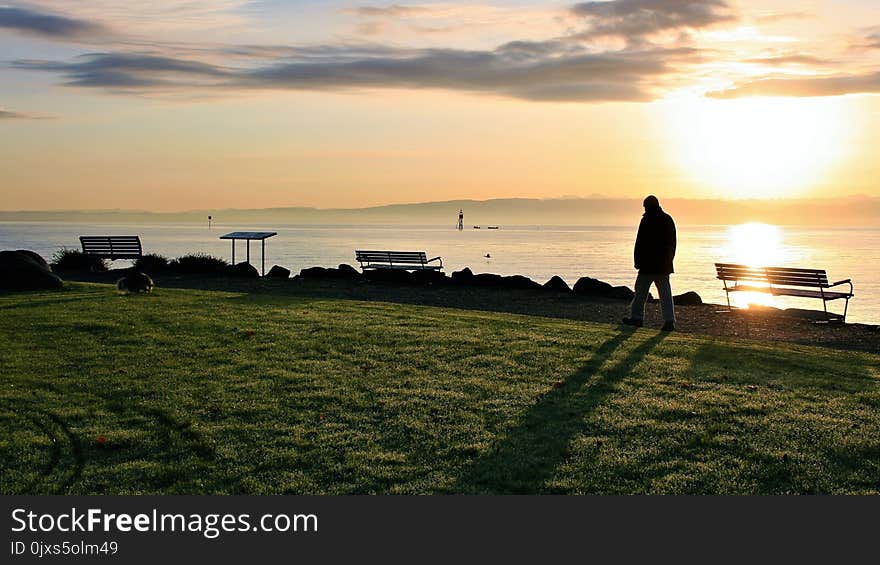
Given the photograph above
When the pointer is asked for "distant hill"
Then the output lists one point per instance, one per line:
(855, 211)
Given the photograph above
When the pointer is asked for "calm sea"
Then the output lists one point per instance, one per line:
(535, 251)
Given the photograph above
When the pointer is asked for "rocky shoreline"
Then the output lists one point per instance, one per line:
(585, 286)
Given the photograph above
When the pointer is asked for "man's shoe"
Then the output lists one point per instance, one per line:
(668, 327)
(633, 322)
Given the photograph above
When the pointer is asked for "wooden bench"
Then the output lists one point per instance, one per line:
(784, 281)
(406, 260)
(112, 246)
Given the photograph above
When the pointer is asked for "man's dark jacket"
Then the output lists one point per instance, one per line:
(655, 244)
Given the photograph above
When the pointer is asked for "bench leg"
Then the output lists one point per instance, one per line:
(729, 307)
(832, 317)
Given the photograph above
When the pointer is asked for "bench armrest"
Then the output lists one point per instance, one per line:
(845, 281)
(436, 259)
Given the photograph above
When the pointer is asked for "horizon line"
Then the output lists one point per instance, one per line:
(804, 199)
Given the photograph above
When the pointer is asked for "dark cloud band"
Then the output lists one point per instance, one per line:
(532, 71)
(44, 24)
(634, 20)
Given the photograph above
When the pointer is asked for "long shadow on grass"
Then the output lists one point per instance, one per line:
(523, 460)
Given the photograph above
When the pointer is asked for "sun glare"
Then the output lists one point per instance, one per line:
(755, 245)
(758, 147)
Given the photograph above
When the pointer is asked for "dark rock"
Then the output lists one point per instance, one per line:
(318, 273)
(348, 272)
(486, 280)
(429, 277)
(690, 298)
(519, 282)
(463, 277)
(556, 284)
(622, 293)
(592, 287)
(135, 281)
(36, 257)
(278, 272)
(392, 276)
(21, 271)
(244, 270)
(344, 271)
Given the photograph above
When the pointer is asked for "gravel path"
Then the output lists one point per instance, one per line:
(798, 326)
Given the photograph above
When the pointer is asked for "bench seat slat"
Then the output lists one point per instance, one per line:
(409, 267)
(804, 293)
(781, 282)
(818, 283)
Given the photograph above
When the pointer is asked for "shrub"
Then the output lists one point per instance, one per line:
(76, 260)
(152, 263)
(198, 263)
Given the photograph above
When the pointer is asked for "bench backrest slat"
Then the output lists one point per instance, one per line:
(781, 276)
(112, 246)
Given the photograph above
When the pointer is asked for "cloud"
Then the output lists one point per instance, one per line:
(789, 59)
(130, 71)
(868, 83)
(393, 11)
(569, 67)
(46, 24)
(634, 20)
(870, 41)
(532, 71)
(584, 77)
(160, 17)
(10, 115)
(776, 17)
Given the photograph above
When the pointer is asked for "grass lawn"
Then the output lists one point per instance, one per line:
(187, 391)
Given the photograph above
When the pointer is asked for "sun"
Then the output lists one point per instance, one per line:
(757, 147)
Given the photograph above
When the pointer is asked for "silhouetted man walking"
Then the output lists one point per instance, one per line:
(654, 252)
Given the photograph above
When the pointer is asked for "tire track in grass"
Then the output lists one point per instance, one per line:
(76, 450)
(55, 476)
(65, 461)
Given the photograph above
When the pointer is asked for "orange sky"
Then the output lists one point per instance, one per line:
(181, 105)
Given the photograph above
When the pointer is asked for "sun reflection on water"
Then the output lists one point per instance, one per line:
(756, 245)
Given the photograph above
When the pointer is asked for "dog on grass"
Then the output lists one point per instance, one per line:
(135, 281)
